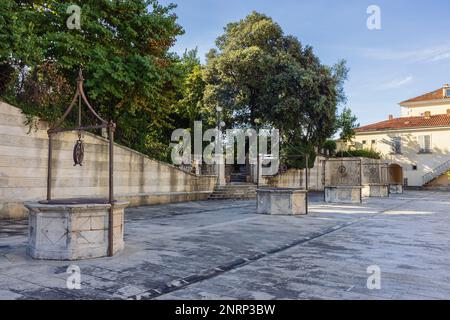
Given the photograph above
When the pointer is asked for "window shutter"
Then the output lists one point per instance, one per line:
(427, 143)
(422, 143)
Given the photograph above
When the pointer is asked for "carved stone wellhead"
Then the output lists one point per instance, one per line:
(94, 227)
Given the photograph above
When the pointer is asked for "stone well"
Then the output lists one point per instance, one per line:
(376, 191)
(72, 231)
(396, 188)
(375, 179)
(343, 194)
(282, 201)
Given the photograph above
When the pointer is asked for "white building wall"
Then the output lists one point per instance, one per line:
(410, 156)
(418, 111)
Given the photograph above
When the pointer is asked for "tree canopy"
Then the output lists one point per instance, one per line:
(258, 72)
(347, 123)
(123, 48)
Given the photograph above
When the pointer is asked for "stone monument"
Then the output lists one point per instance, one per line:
(374, 178)
(71, 229)
(343, 180)
(282, 201)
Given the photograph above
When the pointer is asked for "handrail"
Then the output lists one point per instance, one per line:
(439, 170)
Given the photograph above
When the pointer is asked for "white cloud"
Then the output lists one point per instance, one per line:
(397, 83)
(384, 83)
(431, 54)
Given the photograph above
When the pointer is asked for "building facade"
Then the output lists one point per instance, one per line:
(418, 141)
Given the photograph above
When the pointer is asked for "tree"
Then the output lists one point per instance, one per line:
(258, 72)
(347, 123)
(330, 147)
(123, 47)
(190, 106)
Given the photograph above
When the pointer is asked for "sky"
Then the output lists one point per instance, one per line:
(407, 57)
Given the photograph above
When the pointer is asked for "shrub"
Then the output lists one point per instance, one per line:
(330, 146)
(359, 153)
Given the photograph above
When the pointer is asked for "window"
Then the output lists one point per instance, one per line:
(425, 144)
(447, 92)
(397, 145)
(414, 167)
(374, 141)
(364, 142)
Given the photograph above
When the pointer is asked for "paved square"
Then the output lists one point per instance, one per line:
(223, 250)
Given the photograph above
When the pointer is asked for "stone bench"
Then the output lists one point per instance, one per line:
(396, 188)
(282, 201)
(343, 194)
(376, 191)
(73, 231)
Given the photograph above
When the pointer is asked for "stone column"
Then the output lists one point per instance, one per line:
(197, 166)
(220, 171)
(254, 171)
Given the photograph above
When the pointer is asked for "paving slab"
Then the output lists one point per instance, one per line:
(224, 250)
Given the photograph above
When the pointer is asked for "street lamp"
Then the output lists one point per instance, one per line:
(257, 125)
(218, 140)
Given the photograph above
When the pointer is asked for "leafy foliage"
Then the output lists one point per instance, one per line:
(190, 106)
(294, 155)
(123, 48)
(359, 153)
(330, 146)
(347, 123)
(257, 72)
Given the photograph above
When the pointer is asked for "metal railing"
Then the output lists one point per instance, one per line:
(436, 172)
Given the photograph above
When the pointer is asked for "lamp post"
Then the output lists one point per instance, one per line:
(306, 170)
(257, 125)
(218, 140)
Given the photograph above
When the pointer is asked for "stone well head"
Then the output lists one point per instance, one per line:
(70, 229)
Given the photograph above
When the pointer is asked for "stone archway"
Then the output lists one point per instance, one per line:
(395, 174)
(395, 178)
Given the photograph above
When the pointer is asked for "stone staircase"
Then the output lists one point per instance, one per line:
(240, 176)
(436, 172)
(234, 191)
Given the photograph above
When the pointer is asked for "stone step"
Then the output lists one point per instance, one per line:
(238, 177)
(244, 191)
(236, 189)
(232, 198)
(234, 194)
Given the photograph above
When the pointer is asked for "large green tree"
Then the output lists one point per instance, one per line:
(347, 123)
(189, 105)
(123, 47)
(258, 72)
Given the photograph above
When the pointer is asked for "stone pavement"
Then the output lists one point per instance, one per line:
(223, 250)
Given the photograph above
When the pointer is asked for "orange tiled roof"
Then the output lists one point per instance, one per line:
(441, 120)
(434, 95)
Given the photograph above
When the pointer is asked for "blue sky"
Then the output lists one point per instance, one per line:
(409, 56)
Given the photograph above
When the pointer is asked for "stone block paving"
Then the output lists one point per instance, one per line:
(223, 250)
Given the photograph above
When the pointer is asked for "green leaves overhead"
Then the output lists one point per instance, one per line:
(258, 72)
(123, 47)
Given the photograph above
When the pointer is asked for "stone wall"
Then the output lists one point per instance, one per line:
(296, 178)
(343, 172)
(137, 178)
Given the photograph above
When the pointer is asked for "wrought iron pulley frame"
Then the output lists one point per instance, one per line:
(80, 96)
